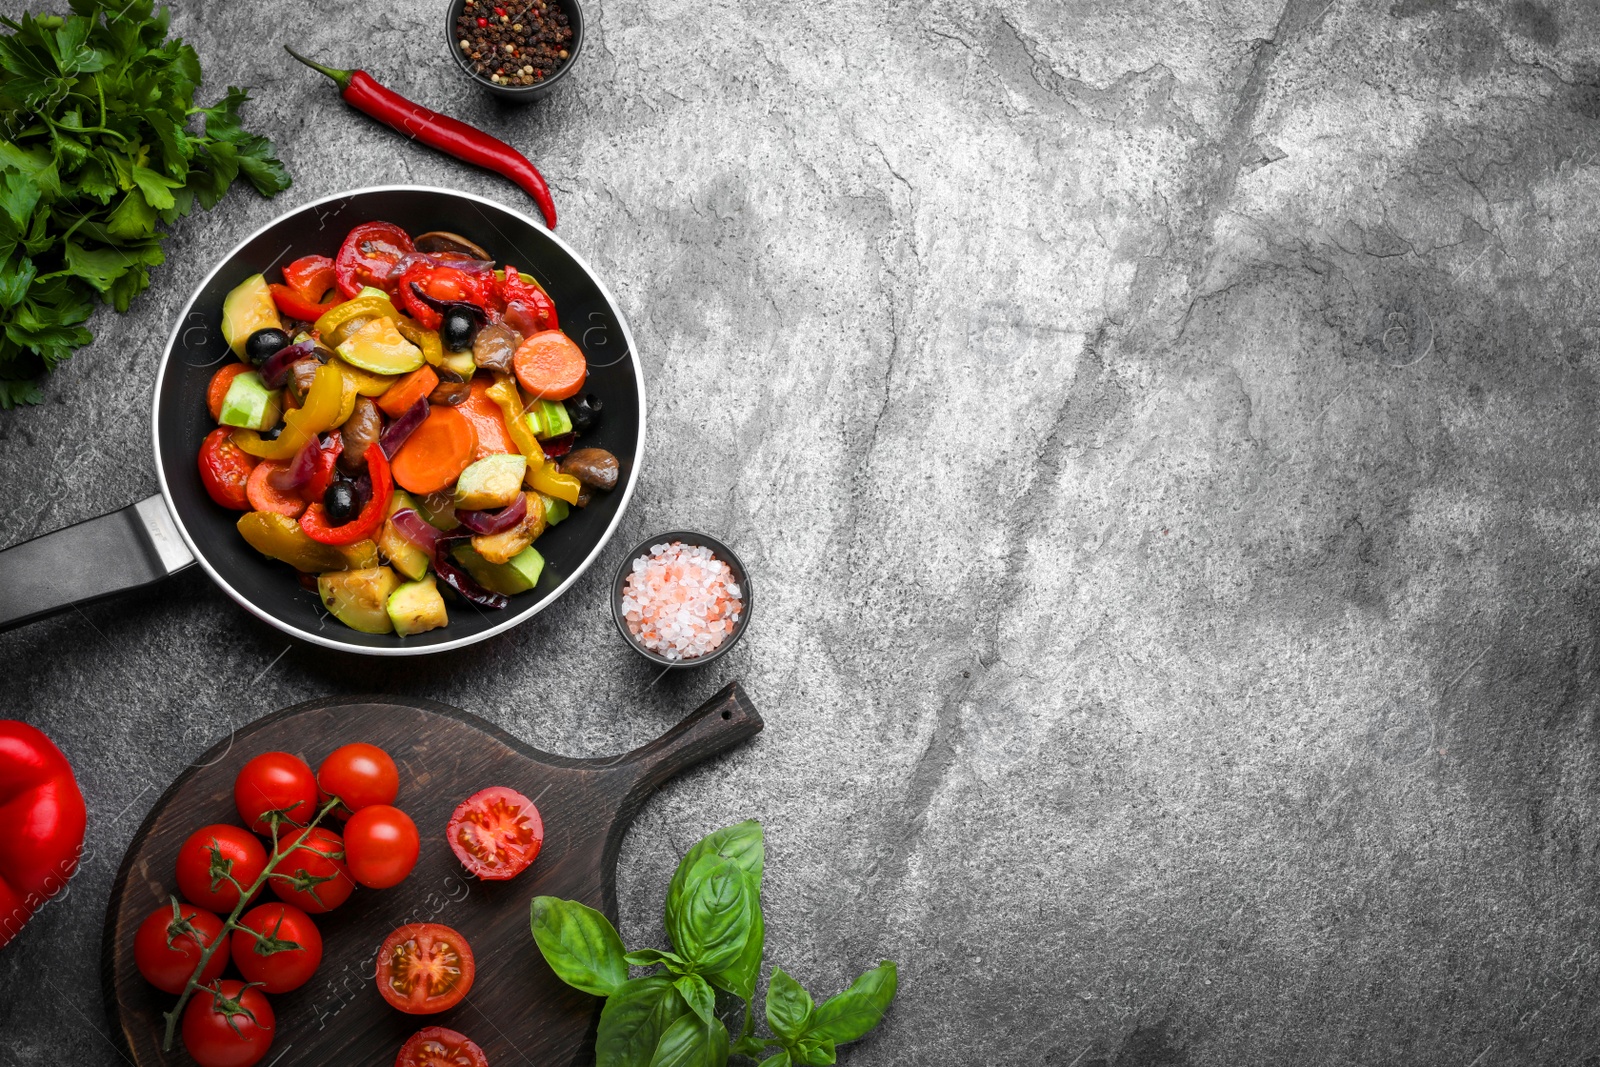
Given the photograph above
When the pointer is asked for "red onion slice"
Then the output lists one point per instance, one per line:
(403, 427)
(294, 477)
(276, 367)
(460, 580)
(556, 447)
(414, 528)
(493, 522)
(465, 266)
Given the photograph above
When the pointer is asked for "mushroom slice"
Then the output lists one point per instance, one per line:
(436, 241)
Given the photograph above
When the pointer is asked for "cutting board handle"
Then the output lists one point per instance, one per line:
(726, 720)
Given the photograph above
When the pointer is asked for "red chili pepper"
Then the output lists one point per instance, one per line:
(315, 520)
(448, 135)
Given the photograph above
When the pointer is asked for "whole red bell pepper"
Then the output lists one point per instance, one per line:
(42, 820)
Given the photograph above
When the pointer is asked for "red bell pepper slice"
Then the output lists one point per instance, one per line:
(322, 477)
(310, 276)
(315, 520)
(368, 254)
(296, 306)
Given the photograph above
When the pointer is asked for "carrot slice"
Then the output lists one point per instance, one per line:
(407, 391)
(264, 496)
(217, 391)
(487, 418)
(550, 366)
(436, 452)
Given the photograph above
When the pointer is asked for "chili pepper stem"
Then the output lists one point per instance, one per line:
(340, 77)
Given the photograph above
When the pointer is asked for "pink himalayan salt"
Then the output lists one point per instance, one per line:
(681, 601)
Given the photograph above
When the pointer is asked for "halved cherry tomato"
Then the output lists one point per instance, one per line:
(550, 366)
(279, 947)
(228, 1024)
(314, 877)
(368, 254)
(217, 391)
(441, 283)
(496, 833)
(315, 520)
(216, 862)
(360, 775)
(297, 306)
(264, 496)
(425, 968)
(275, 781)
(312, 277)
(435, 1046)
(225, 470)
(381, 846)
(487, 419)
(167, 946)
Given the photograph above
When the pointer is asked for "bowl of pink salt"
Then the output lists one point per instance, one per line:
(681, 599)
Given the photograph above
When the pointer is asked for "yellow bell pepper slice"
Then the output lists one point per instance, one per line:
(338, 320)
(319, 412)
(542, 474)
(367, 383)
(423, 338)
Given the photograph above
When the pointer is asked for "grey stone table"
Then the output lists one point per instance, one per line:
(1165, 438)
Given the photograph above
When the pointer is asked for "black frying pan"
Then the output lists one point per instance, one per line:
(147, 541)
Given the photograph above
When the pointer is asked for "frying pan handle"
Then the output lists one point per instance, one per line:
(726, 720)
(96, 558)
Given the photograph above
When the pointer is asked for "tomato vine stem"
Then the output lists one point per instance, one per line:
(231, 924)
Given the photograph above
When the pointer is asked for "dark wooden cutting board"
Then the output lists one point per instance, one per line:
(517, 1010)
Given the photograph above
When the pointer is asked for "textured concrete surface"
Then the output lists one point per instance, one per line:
(1164, 437)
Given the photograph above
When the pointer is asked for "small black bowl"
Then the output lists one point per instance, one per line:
(719, 550)
(523, 93)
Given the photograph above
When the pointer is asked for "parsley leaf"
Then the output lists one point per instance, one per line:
(101, 148)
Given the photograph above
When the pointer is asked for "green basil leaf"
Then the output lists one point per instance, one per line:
(580, 944)
(788, 1007)
(709, 922)
(740, 976)
(649, 957)
(815, 1053)
(634, 1019)
(701, 1000)
(778, 1059)
(857, 1010)
(742, 842)
(692, 1042)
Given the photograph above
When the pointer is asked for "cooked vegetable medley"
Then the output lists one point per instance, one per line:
(401, 417)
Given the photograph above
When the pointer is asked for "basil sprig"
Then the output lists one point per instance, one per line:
(713, 918)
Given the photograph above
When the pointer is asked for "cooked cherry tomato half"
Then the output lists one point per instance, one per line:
(285, 951)
(213, 860)
(441, 283)
(435, 1046)
(424, 968)
(228, 1025)
(496, 833)
(264, 496)
(225, 469)
(217, 391)
(313, 877)
(275, 781)
(368, 254)
(360, 775)
(169, 944)
(528, 310)
(380, 846)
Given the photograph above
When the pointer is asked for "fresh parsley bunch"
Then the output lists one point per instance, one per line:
(668, 1019)
(97, 153)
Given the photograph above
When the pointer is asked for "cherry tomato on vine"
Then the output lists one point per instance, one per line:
(424, 968)
(212, 856)
(228, 1025)
(380, 845)
(313, 878)
(167, 946)
(225, 469)
(286, 951)
(360, 775)
(275, 781)
(435, 1046)
(496, 833)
